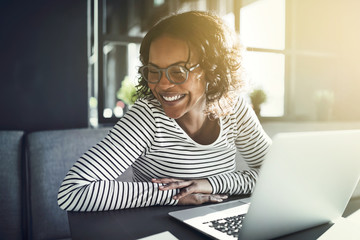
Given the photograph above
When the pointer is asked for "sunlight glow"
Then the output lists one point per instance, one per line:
(266, 71)
(262, 24)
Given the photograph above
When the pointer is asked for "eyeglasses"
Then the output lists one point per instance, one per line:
(176, 74)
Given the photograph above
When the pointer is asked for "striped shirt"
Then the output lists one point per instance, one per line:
(157, 147)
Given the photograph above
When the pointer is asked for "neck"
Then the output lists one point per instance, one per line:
(198, 126)
(192, 124)
(203, 131)
(193, 120)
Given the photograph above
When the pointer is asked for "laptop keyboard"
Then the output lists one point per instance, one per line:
(228, 225)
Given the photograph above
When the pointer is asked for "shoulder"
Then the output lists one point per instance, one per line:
(149, 109)
(151, 106)
(139, 118)
(142, 111)
(242, 112)
(142, 105)
(241, 106)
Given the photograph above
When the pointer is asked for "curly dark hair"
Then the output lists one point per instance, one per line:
(219, 56)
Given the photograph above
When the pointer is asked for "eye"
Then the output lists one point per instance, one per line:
(152, 70)
(177, 70)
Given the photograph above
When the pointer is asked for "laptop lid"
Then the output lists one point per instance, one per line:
(307, 179)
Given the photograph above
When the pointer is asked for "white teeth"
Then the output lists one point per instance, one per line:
(173, 98)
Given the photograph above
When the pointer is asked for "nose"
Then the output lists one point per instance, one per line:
(164, 81)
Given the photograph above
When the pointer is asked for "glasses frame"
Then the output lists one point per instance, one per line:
(161, 70)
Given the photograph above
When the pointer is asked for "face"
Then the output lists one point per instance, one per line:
(184, 100)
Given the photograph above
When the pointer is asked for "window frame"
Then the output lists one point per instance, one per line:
(287, 56)
(97, 39)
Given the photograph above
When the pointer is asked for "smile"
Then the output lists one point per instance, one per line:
(172, 98)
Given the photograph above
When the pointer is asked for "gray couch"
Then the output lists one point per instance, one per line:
(32, 168)
(34, 164)
(11, 187)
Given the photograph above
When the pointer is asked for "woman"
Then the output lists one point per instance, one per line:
(182, 134)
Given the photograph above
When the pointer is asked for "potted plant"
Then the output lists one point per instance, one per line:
(127, 92)
(324, 100)
(258, 97)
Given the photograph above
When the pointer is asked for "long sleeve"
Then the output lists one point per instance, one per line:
(91, 185)
(253, 143)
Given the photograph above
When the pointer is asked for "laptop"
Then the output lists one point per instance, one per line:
(306, 180)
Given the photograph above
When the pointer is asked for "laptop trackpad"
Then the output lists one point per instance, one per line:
(231, 204)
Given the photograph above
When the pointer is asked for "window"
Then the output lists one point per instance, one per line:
(115, 31)
(114, 36)
(262, 31)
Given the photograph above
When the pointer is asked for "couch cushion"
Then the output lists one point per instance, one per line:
(11, 187)
(50, 155)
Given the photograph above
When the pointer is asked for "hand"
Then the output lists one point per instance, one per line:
(200, 198)
(186, 187)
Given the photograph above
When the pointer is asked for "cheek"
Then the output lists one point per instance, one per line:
(153, 90)
(198, 86)
(152, 87)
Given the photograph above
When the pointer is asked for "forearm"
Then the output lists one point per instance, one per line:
(103, 195)
(241, 182)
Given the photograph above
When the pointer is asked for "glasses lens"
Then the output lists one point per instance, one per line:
(151, 74)
(178, 74)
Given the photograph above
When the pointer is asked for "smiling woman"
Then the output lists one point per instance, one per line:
(182, 134)
(215, 48)
(186, 100)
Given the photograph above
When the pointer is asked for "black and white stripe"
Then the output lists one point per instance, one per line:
(156, 147)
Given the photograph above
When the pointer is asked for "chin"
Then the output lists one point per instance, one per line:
(173, 115)
(174, 112)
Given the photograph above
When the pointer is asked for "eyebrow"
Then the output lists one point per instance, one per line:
(174, 64)
(177, 63)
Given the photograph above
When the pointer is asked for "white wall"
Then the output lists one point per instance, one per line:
(324, 53)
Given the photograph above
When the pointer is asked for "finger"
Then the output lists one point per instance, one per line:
(193, 199)
(175, 185)
(223, 196)
(184, 192)
(215, 198)
(165, 180)
(200, 198)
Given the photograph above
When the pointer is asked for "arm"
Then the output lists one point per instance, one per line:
(192, 192)
(91, 183)
(253, 143)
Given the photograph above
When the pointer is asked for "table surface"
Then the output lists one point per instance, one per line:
(142, 222)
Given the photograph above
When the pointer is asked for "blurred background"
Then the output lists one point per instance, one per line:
(71, 64)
